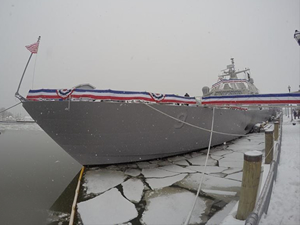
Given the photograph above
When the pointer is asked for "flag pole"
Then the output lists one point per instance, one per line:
(20, 97)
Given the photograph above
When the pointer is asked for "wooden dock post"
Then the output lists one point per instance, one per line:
(250, 183)
(269, 145)
(276, 130)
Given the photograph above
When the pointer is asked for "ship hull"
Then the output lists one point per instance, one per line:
(97, 133)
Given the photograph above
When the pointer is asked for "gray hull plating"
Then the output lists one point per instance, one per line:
(97, 133)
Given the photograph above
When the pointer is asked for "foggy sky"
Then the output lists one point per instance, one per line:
(157, 46)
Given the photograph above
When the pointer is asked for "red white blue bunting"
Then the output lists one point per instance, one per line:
(112, 95)
(260, 99)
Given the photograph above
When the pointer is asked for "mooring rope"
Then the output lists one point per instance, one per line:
(71, 221)
(10, 107)
(203, 172)
(197, 127)
(271, 150)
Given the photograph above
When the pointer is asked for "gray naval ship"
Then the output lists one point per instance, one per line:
(99, 127)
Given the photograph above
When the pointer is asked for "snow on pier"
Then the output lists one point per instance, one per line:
(285, 199)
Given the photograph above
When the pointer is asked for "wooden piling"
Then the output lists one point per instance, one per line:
(269, 146)
(276, 130)
(250, 183)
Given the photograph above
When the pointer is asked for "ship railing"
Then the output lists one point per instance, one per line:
(263, 201)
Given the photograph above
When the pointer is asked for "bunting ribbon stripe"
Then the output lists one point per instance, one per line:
(80, 94)
(285, 98)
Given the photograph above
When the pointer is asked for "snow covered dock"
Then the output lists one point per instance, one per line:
(284, 206)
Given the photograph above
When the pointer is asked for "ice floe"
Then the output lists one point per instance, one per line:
(171, 206)
(176, 169)
(208, 169)
(192, 181)
(98, 181)
(133, 189)
(236, 176)
(200, 160)
(108, 208)
(132, 172)
(157, 183)
(157, 172)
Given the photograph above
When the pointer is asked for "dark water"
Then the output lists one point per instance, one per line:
(34, 172)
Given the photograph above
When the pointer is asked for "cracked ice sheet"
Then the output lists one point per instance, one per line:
(158, 183)
(108, 208)
(133, 172)
(235, 159)
(176, 169)
(209, 182)
(236, 176)
(182, 163)
(248, 144)
(209, 169)
(98, 181)
(232, 170)
(221, 152)
(247, 147)
(225, 196)
(200, 160)
(157, 172)
(172, 208)
(133, 189)
(176, 158)
(231, 162)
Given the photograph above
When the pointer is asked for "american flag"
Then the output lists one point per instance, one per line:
(33, 48)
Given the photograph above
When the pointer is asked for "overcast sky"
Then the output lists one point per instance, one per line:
(158, 46)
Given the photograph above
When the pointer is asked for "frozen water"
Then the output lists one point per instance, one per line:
(108, 208)
(98, 181)
(236, 176)
(146, 165)
(176, 158)
(221, 152)
(133, 172)
(231, 162)
(172, 208)
(176, 169)
(208, 169)
(200, 160)
(209, 182)
(133, 189)
(157, 172)
(232, 170)
(182, 163)
(157, 183)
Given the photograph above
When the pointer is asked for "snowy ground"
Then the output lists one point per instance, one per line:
(163, 191)
(285, 200)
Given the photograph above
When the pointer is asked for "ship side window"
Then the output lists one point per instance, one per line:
(232, 85)
(241, 86)
(226, 87)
